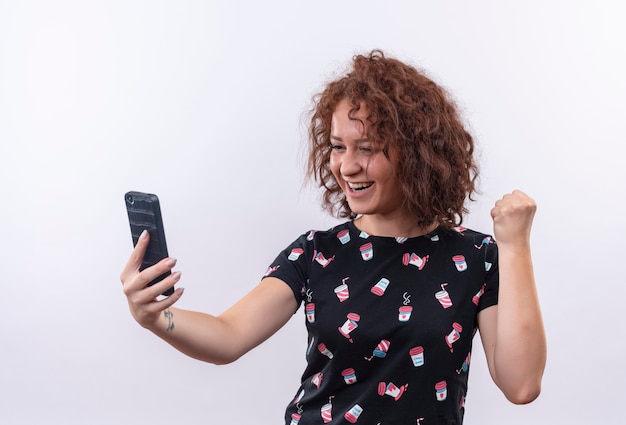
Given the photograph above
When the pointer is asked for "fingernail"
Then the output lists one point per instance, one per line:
(143, 234)
(176, 276)
(170, 262)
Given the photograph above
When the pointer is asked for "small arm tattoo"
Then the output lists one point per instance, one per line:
(170, 320)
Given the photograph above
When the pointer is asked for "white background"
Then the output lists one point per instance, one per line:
(202, 102)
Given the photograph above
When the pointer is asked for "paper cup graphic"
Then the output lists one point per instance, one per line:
(367, 251)
(353, 414)
(380, 351)
(459, 262)
(317, 379)
(441, 390)
(404, 313)
(454, 335)
(295, 254)
(342, 292)
(295, 418)
(487, 266)
(391, 389)
(417, 355)
(380, 288)
(344, 236)
(310, 312)
(444, 298)
(350, 325)
(349, 376)
(327, 413)
(325, 351)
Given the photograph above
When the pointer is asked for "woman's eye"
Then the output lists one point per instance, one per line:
(336, 147)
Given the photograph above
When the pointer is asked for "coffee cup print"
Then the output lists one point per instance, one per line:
(392, 390)
(351, 324)
(380, 288)
(454, 335)
(459, 262)
(414, 260)
(317, 379)
(441, 390)
(310, 312)
(324, 350)
(443, 297)
(295, 254)
(367, 251)
(344, 236)
(349, 376)
(353, 414)
(295, 418)
(404, 313)
(417, 356)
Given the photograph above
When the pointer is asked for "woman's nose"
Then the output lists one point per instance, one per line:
(350, 163)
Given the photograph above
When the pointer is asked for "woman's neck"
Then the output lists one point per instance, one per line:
(405, 226)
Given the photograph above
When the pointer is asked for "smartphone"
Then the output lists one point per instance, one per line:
(144, 213)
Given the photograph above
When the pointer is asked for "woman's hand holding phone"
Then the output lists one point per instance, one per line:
(144, 301)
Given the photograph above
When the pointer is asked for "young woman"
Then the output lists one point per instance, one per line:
(394, 295)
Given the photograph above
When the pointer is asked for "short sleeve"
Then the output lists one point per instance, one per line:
(492, 279)
(292, 265)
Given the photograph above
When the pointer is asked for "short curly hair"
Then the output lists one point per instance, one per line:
(409, 115)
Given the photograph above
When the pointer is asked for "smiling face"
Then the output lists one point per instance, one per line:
(364, 173)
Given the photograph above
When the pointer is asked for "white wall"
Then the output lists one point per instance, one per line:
(201, 103)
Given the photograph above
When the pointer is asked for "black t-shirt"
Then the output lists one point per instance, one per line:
(390, 323)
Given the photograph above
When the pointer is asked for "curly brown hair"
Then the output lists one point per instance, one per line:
(409, 115)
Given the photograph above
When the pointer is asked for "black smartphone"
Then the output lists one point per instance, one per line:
(144, 213)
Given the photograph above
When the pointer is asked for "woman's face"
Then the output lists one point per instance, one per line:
(366, 176)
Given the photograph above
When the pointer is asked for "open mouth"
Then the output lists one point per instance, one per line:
(357, 187)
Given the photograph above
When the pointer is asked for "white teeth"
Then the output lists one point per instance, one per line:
(359, 186)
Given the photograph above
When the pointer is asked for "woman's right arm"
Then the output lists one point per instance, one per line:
(215, 339)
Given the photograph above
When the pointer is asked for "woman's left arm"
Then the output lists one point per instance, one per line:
(512, 332)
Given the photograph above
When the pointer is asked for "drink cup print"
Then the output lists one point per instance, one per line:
(325, 351)
(391, 390)
(317, 379)
(487, 266)
(443, 297)
(367, 251)
(344, 236)
(297, 399)
(353, 414)
(380, 351)
(414, 260)
(404, 313)
(454, 335)
(342, 292)
(327, 412)
(295, 418)
(380, 288)
(310, 236)
(441, 390)
(351, 324)
(349, 376)
(476, 298)
(466, 364)
(295, 254)
(417, 356)
(310, 312)
(459, 262)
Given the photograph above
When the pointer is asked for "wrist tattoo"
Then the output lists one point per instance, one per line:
(170, 320)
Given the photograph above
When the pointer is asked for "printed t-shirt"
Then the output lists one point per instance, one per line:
(390, 323)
